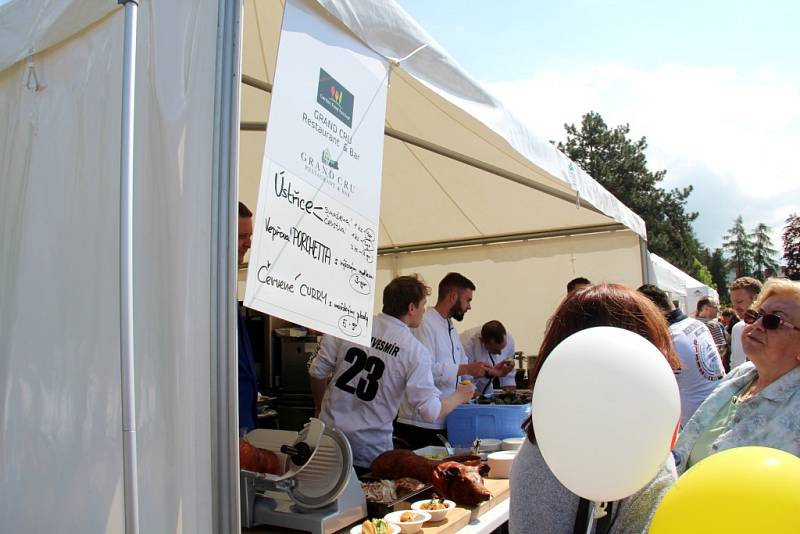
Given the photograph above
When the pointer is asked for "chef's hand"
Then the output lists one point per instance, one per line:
(502, 368)
(465, 390)
(474, 369)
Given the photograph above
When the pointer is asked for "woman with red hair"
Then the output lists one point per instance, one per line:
(539, 502)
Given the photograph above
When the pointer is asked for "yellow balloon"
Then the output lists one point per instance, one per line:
(746, 490)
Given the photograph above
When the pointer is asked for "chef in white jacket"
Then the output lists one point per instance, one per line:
(358, 389)
(492, 345)
(450, 364)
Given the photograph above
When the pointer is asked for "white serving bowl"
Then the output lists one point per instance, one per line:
(500, 463)
(511, 444)
(393, 529)
(436, 515)
(408, 527)
(490, 445)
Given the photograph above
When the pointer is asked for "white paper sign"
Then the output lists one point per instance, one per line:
(315, 233)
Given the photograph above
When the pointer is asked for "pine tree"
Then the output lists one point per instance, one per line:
(764, 264)
(791, 246)
(619, 165)
(719, 273)
(739, 247)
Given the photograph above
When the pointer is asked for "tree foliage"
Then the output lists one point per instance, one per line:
(739, 247)
(764, 252)
(619, 164)
(719, 272)
(791, 246)
(703, 274)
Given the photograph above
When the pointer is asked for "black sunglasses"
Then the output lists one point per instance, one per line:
(770, 321)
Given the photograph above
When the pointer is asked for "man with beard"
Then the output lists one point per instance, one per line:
(449, 359)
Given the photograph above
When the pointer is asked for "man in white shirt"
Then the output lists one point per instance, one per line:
(449, 361)
(358, 389)
(492, 345)
(743, 292)
(701, 367)
(707, 312)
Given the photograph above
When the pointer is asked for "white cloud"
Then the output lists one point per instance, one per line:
(733, 135)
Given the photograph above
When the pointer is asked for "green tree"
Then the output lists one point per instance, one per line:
(791, 246)
(703, 274)
(764, 264)
(619, 164)
(719, 273)
(739, 247)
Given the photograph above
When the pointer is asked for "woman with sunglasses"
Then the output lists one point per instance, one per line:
(759, 401)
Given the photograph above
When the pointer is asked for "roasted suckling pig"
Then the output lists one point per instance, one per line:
(455, 478)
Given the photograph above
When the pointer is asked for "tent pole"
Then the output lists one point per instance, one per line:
(226, 503)
(502, 238)
(646, 276)
(127, 355)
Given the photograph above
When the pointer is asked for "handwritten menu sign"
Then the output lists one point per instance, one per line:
(315, 232)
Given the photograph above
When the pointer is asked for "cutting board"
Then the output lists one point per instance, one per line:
(460, 516)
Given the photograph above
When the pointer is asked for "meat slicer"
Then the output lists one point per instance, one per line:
(318, 491)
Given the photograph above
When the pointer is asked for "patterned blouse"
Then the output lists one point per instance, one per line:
(771, 418)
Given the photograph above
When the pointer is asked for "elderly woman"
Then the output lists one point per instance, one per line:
(539, 502)
(759, 402)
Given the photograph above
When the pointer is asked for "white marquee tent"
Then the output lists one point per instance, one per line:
(682, 288)
(466, 187)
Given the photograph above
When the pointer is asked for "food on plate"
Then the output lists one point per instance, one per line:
(433, 504)
(252, 458)
(375, 526)
(405, 517)
(387, 491)
(466, 382)
(505, 397)
(459, 482)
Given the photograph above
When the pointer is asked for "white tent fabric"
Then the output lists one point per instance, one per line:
(682, 287)
(60, 425)
(432, 99)
(434, 201)
(522, 283)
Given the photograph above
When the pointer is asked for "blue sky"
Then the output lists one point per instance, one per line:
(713, 85)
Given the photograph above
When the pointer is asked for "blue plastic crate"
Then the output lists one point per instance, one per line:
(470, 421)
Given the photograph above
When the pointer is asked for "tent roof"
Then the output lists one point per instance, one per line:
(670, 278)
(447, 141)
(432, 104)
(28, 27)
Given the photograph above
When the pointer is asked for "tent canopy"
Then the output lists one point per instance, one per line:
(481, 174)
(682, 287)
(459, 170)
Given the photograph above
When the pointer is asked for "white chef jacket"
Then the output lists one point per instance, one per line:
(738, 356)
(368, 383)
(441, 338)
(701, 366)
(476, 352)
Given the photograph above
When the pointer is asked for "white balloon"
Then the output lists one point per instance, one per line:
(605, 408)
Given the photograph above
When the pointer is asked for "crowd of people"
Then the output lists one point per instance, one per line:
(737, 371)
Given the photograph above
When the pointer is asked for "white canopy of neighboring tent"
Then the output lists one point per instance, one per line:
(682, 287)
(458, 170)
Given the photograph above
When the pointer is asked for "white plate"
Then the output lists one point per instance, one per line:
(436, 515)
(408, 527)
(512, 444)
(393, 529)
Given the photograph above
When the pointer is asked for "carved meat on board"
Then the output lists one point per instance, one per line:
(460, 482)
